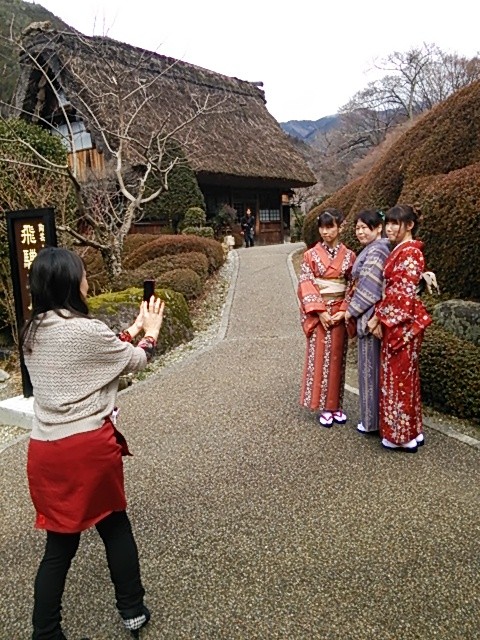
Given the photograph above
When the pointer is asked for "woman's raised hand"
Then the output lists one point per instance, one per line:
(152, 316)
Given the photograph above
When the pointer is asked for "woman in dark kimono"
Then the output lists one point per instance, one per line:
(400, 321)
(367, 273)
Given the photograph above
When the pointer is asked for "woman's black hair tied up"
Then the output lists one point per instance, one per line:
(381, 214)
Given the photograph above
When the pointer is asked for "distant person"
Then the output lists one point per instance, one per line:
(324, 292)
(248, 228)
(75, 468)
(367, 273)
(400, 321)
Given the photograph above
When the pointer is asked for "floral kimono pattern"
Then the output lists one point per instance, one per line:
(324, 372)
(367, 273)
(404, 319)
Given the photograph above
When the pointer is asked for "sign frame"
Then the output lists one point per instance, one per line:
(15, 221)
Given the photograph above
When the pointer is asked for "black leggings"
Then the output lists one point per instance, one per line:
(122, 557)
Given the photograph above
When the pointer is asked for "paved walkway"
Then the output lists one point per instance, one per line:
(252, 521)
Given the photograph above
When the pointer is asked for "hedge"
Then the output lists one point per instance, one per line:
(183, 190)
(450, 373)
(194, 260)
(168, 245)
(202, 232)
(450, 228)
(185, 281)
(434, 165)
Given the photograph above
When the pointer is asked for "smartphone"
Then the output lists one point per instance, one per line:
(148, 289)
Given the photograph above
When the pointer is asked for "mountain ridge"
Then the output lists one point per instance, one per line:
(307, 130)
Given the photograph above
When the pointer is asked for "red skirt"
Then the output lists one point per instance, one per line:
(77, 481)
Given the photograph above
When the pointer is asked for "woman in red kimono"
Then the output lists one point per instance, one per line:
(324, 294)
(400, 321)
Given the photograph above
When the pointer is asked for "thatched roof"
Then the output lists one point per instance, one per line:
(238, 137)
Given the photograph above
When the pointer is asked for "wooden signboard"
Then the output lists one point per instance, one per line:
(28, 232)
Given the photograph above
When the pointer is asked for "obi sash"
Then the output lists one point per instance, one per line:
(331, 288)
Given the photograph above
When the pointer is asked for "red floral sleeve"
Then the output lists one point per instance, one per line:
(147, 343)
(401, 309)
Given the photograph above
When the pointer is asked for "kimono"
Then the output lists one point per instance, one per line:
(324, 285)
(367, 273)
(404, 319)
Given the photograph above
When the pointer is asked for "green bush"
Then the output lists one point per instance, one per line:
(202, 232)
(183, 192)
(185, 281)
(118, 310)
(194, 217)
(460, 317)
(450, 373)
(27, 182)
(224, 220)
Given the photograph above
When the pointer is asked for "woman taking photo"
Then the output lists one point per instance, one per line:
(400, 321)
(367, 273)
(323, 292)
(75, 468)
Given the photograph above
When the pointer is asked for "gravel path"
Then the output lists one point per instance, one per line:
(252, 521)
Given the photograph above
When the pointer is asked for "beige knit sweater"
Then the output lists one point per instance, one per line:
(74, 366)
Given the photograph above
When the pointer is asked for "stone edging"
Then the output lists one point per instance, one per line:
(447, 430)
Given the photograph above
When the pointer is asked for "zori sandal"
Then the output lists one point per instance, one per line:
(326, 419)
(339, 417)
(407, 447)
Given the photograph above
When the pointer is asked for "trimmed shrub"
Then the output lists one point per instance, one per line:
(191, 260)
(170, 245)
(450, 373)
(194, 260)
(202, 232)
(194, 217)
(118, 310)
(450, 228)
(129, 279)
(185, 281)
(434, 165)
(460, 317)
(183, 192)
(135, 240)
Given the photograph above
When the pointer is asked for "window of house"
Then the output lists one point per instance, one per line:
(79, 136)
(269, 215)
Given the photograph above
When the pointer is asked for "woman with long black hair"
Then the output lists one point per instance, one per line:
(75, 468)
(400, 321)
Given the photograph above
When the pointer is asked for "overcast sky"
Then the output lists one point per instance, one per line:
(312, 56)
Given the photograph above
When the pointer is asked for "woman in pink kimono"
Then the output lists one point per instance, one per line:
(400, 321)
(324, 293)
